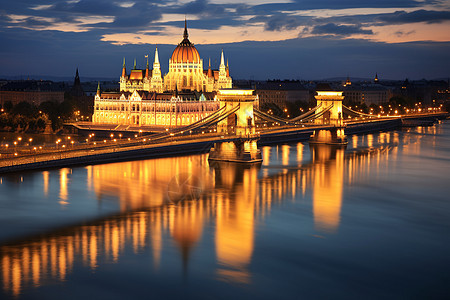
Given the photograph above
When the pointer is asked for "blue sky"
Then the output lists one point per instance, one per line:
(286, 39)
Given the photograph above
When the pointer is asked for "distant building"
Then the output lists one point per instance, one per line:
(424, 91)
(32, 91)
(84, 103)
(281, 92)
(368, 93)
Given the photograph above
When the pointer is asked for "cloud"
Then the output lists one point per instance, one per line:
(284, 22)
(341, 30)
(402, 17)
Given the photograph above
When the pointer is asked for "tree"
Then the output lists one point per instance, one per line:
(8, 106)
(25, 109)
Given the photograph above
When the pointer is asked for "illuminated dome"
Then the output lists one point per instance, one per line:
(185, 51)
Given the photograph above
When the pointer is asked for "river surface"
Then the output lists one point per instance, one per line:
(371, 221)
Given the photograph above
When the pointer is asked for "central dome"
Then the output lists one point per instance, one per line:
(185, 52)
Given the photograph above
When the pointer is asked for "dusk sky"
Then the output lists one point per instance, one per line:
(266, 39)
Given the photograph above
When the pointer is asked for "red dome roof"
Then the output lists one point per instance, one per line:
(185, 51)
(183, 54)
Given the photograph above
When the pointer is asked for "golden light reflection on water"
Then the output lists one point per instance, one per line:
(233, 197)
(63, 192)
(328, 186)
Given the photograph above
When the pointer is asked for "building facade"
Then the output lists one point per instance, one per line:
(32, 91)
(368, 94)
(281, 93)
(185, 73)
(153, 109)
(186, 94)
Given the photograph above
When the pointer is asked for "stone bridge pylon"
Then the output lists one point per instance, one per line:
(329, 115)
(237, 128)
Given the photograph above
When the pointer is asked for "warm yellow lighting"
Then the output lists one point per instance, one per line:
(232, 92)
(329, 93)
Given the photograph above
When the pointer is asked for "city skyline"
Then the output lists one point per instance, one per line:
(262, 39)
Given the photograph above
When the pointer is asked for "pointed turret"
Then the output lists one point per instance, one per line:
(77, 89)
(185, 34)
(156, 56)
(228, 69)
(77, 77)
(124, 70)
(156, 65)
(210, 74)
(222, 61)
(376, 78)
(222, 68)
(147, 69)
(98, 89)
(156, 82)
(134, 67)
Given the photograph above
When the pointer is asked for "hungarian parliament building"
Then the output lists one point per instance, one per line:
(186, 94)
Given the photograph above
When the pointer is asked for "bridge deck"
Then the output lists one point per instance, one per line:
(144, 147)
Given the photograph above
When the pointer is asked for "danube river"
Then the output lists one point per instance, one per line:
(371, 221)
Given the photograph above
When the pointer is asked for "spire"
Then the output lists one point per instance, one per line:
(376, 78)
(98, 89)
(227, 69)
(185, 34)
(222, 61)
(146, 69)
(210, 74)
(156, 67)
(156, 55)
(222, 67)
(124, 70)
(77, 78)
(134, 67)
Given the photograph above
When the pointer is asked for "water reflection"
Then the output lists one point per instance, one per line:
(233, 197)
(328, 164)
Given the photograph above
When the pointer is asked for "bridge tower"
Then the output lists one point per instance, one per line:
(330, 115)
(238, 128)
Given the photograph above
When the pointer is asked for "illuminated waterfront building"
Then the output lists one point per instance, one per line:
(146, 98)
